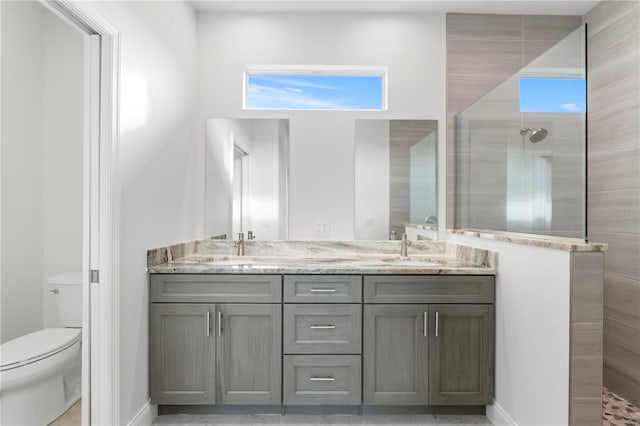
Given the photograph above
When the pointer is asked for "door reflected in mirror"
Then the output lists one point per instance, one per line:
(246, 168)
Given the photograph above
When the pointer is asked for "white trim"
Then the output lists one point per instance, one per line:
(104, 405)
(145, 416)
(316, 69)
(498, 417)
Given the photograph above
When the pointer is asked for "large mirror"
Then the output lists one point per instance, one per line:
(396, 176)
(247, 171)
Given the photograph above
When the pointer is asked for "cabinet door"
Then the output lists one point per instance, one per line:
(461, 357)
(181, 354)
(249, 354)
(395, 354)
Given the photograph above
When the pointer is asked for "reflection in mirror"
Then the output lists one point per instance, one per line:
(246, 169)
(395, 176)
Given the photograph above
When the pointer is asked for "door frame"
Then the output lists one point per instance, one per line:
(101, 207)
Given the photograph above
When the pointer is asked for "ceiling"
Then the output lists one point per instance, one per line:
(515, 7)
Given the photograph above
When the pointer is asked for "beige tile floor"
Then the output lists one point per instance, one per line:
(71, 417)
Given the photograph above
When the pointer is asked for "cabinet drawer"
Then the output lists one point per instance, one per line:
(429, 289)
(322, 379)
(322, 329)
(203, 288)
(323, 288)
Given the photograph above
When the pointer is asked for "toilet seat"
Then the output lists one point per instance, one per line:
(36, 346)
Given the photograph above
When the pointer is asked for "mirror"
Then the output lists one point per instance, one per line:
(396, 177)
(247, 170)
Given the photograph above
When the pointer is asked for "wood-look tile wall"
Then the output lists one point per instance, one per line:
(613, 52)
(585, 384)
(482, 52)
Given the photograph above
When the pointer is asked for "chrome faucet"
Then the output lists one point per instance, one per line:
(250, 236)
(404, 245)
(240, 244)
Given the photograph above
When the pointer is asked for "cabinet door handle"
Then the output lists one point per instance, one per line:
(437, 315)
(219, 323)
(208, 323)
(322, 379)
(322, 326)
(322, 290)
(424, 324)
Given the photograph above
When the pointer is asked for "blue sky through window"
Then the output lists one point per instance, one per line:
(552, 95)
(315, 92)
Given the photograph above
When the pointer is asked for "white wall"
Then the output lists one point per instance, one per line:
(63, 103)
(158, 163)
(372, 180)
(322, 175)
(532, 333)
(22, 168)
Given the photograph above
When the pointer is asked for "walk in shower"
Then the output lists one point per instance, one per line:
(521, 149)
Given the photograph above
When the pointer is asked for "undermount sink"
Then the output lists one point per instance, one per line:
(409, 261)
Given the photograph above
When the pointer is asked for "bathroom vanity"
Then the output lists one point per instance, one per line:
(333, 324)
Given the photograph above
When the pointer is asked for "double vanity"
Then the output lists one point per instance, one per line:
(322, 323)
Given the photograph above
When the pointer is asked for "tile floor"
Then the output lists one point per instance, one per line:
(71, 417)
(334, 420)
(617, 411)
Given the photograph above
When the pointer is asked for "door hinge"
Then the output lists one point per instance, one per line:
(95, 276)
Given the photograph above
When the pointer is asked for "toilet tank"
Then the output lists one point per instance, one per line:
(67, 291)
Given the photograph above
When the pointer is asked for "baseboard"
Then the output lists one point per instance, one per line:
(145, 416)
(499, 417)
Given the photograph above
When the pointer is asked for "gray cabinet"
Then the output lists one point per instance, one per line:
(322, 288)
(437, 353)
(322, 379)
(249, 354)
(417, 340)
(395, 355)
(223, 353)
(322, 340)
(182, 352)
(461, 364)
(322, 329)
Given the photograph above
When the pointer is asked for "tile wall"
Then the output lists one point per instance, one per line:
(613, 52)
(483, 51)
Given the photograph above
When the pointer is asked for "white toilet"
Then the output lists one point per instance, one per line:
(40, 373)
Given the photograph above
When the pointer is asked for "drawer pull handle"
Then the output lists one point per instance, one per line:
(437, 315)
(328, 326)
(219, 323)
(322, 290)
(322, 379)
(208, 323)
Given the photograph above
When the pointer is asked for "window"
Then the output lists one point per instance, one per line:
(315, 88)
(553, 95)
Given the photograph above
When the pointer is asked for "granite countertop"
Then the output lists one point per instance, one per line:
(321, 257)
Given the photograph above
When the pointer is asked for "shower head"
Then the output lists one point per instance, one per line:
(536, 134)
